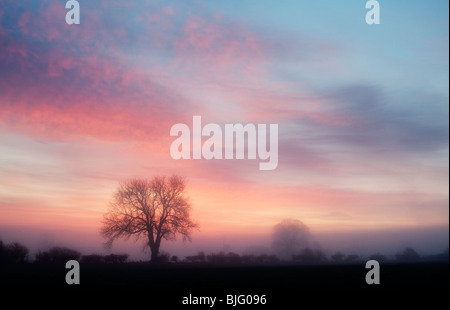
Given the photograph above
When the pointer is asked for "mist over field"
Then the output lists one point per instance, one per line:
(426, 241)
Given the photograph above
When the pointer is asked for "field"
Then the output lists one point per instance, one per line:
(287, 285)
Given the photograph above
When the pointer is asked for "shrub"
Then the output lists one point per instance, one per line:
(57, 255)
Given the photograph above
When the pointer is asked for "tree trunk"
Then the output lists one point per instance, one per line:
(154, 244)
(155, 253)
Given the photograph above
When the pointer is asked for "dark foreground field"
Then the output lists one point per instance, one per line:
(287, 285)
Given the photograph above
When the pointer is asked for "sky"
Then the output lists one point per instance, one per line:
(362, 113)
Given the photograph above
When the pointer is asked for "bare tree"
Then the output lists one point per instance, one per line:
(290, 236)
(153, 209)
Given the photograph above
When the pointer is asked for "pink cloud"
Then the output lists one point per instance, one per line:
(84, 96)
(206, 50)
(219, 49)
(1, 17)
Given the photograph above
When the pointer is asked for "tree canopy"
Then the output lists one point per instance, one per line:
(153, 209)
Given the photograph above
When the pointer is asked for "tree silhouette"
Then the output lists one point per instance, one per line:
(352, 258)
(408, 255)
(154, 210)
(115, 258)
(13, 253)
(378, 257)
(310, 256)
(338, 257)
(59, 255)
(290, 236)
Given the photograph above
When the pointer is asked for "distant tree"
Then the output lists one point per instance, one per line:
(338, 257)
(199, 258)
(378, 257)
(92, 259)
(289, 237)
(408, 255)
(233, 258)
(248, 259)
(440, 257)
(58, 255)
(156, 210)
(267, 259)
(163, 257)
(217, 258)
(2, 252)
(309, 256)
(174, 259)
(18, 252)
(13, 253)
(352, 258)
(257, 250)
(223, 258)
(445, 254)
(190, 259)
(116, 258)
